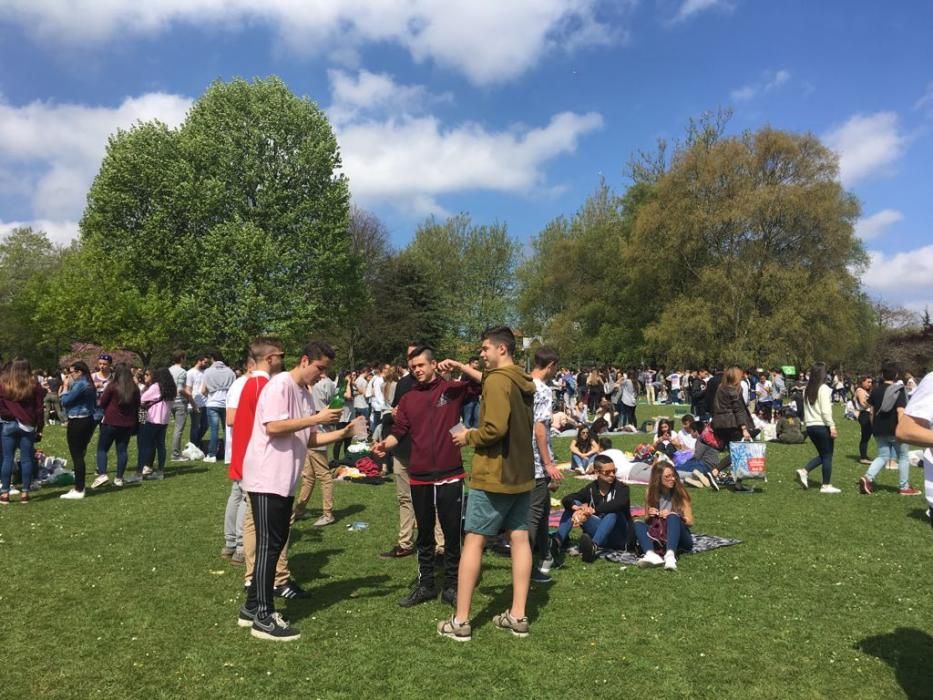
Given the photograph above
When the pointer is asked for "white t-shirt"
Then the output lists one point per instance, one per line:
(193, 383)
(359, 398)
(378, 400)
(674, 379)
(921, 406)
(689, 442)
(233, 400)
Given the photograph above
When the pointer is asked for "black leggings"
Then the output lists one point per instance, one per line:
(864, 420)
(79, 433)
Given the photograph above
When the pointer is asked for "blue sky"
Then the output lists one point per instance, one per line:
(511, 111)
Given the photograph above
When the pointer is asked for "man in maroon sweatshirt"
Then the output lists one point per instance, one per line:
(427, 414)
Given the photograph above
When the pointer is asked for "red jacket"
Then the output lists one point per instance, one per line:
(427, 413)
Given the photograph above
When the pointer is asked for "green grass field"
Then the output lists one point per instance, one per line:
(124, 595)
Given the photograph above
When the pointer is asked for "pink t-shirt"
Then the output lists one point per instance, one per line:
(159, 411)
(272, 464)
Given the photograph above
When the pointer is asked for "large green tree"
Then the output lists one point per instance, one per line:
(237, 219)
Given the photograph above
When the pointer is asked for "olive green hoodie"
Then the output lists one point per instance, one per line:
(504, 462)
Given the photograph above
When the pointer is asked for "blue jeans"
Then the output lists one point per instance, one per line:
(107, 436)
(198, 425)
(578, 462)
(471, 414)
(679, 538)
(607, 530)
(13, 438)
(687, 467)
(216, 417)
(824, 443)
(888, 449)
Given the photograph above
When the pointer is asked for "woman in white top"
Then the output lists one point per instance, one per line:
(821, 429)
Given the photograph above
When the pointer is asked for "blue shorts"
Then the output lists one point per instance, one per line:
(490, 513)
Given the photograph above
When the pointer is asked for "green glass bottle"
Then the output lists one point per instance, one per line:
(338, 401)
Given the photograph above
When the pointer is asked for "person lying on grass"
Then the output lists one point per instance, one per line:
(669, 517)
(601, 509)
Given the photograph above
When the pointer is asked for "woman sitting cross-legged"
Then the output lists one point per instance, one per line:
(669, 516)
(582, 450)
(600, 509)
(702, 469)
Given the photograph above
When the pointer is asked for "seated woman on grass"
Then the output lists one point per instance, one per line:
(601, 509)
(664, 442)
(582, 450)
(790, 428)
(702, 470)
(669, 516)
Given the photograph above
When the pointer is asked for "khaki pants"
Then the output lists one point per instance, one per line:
(282, 574)
(406, 512)
(315, 469)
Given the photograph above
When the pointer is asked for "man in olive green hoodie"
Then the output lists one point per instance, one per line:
(501, 481)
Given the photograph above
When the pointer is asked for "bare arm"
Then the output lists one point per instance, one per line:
(466, 370)
(321, 439)
(547, 459)
(293, 425)
(913, 430)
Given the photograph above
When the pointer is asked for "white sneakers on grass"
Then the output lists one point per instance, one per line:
(829, 488)
(72, 495)
(802, 478)
(650, 559)
(100, 481)
(670, 561)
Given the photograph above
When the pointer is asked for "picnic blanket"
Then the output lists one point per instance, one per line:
(701, 543)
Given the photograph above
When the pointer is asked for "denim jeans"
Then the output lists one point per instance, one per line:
(608, 530)
(679, 538)
(471, 414)
(198, 425)
(15, 438)
(824, 443)
(150, 442)
(578, 462)
(108, 436)
(216, 417)
(686, 469)
(888, 449)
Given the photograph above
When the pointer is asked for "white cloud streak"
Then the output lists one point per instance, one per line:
(689, 8)
(489, 41)
(60, 232)
(901, 273)
(770, 82)
(871, 227)
(867, 145)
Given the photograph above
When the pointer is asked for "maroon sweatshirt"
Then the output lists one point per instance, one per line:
(28, 411)
(427, 413)
(115, 414)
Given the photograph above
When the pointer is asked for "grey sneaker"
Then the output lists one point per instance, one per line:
(133, 479)
(324, 520)
(505, 621)
(274, 628)
(237, 559)
(458, 632)
(157, 475)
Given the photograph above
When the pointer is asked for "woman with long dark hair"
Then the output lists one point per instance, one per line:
(21, 410)
(583, 450)
(732, 421)
(79, 402)
(156, 400)
(120, 404)
(669, 517)
(821, 428)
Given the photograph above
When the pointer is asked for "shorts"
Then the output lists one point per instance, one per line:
(490, 513)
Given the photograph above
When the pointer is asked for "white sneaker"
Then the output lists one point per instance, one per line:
(802, 478)
(14, 491)
(209, 459)
(650, 559)
(147, 471)
(670, 561)
(829, 488)
(118, 481)
(133, 479)
(323, 521)
(73, 495)
(100, 481)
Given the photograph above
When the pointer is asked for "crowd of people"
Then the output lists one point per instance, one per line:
(273, 427)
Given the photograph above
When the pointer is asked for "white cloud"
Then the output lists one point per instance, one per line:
(410, 161)
(925, 103)
(489, 41)
(63, 144)
(866, 144)
(873, 226)
(771, 81)
(368, 93)
(693, 7)
(61, 232)
(907, 272)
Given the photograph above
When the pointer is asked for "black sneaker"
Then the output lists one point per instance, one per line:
(275, 628)
(713, 481)
(449, 596)
(247, 616)
(419, 594)
(557, 553)
(289, 591)
(587, 548)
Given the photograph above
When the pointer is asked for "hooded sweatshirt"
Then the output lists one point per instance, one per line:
(427, 413)
(504, 461)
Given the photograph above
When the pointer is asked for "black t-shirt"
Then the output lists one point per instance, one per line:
(54, 384)
(405, 384)
(883, 424)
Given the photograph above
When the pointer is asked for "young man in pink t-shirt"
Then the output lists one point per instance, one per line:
(282, 429)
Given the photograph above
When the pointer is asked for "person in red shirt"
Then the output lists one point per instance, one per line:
(427, 414)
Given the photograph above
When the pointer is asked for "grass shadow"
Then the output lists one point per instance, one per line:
(908, 652)
(339, 591)
(920, 514)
